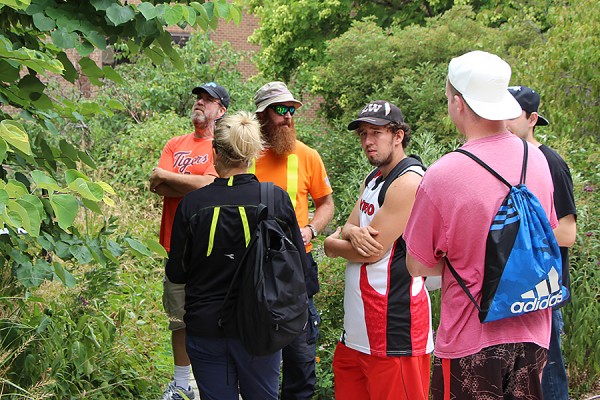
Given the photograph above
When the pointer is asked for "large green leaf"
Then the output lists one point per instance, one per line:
(101, 5)
(96, 39)
(91, 205)
(64, 39)
(118, 14)
(43, 23)
(156, 247)
(83, 156)
(8, 71)
(148, 10)
(68, 149)
(82, 254)
(3, 150)
(27, 214)
(235, 13)
(65, 208)
(111, 74)
(70, 73)
(3, 200)
(14, 134)
(15, 188)
(173, 14)
(87, 190)
(72, 174)
(90, 68)
(65, 276)
(32, 276)
(84, 48)
(221, 9)
(16, 4)
(44, 181)
(138, 248)
(35, 211)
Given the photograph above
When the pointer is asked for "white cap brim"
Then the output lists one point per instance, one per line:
(505, 108)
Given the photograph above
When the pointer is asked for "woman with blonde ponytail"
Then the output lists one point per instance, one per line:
(208, 240)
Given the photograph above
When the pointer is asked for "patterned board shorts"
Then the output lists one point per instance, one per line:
(506, 371)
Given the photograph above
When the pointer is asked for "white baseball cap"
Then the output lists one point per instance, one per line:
(482, 79)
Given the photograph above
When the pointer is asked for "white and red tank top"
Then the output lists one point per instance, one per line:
(386, 311)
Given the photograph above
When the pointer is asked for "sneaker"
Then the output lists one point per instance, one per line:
(173, 392)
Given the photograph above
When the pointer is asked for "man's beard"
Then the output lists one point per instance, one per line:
(281, 139)
(199, 119)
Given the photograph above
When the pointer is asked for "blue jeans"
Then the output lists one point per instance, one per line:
(299, 377)
(554, 377)
(223, 369)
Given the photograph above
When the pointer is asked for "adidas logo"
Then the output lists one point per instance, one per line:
(546, 294)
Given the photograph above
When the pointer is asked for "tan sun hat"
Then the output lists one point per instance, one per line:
(271, 93)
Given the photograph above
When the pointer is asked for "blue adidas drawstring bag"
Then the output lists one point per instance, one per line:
(523, 265)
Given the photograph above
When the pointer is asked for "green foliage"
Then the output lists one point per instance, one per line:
(148, 88)
(410, 65)
(293, 34)
(51, 217)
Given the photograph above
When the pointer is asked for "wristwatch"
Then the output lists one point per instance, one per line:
(312, 230)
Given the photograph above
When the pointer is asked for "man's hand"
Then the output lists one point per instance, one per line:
(363, 240)
(156, 178)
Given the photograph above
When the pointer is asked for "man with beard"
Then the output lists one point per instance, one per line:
(299, 170)
(385, 345)
(186, 164)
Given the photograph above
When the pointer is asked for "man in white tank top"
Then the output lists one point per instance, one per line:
(384, 348)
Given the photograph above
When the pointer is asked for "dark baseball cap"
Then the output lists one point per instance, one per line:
(529, 100)
(378, 112)
(215, 90)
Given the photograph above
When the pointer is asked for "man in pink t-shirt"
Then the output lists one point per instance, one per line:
(454, 207)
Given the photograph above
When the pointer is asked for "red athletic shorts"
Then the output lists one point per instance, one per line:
(363, 376)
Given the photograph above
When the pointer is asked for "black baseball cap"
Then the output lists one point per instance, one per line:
(378, 112)
(529, 100)
(215, 90)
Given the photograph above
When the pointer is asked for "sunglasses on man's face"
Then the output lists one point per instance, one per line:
(282, 110)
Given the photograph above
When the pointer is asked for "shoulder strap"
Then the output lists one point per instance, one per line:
(484, 165)
(397, 171)
(462, 284)
(497, 175)
(267, 197)
(524, 167)
(370, 177)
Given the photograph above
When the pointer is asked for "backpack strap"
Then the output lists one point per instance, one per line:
(265, 209)
(267, 198)
(462, 284)
(524, 167)
(497, 175)
(400, 169)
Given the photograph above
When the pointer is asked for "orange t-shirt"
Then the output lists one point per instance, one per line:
(184, 155)
(311, 175)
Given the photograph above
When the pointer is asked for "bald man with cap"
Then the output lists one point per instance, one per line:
(454, 207)
(186, 164)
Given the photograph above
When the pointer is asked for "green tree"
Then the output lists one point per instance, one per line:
(47, 198)
(292, 33)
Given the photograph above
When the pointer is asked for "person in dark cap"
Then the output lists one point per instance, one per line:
(554, 377)
(384, 350)
(186, 164)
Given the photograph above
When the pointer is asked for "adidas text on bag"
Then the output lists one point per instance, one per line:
(523, 265)
(271, 309)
